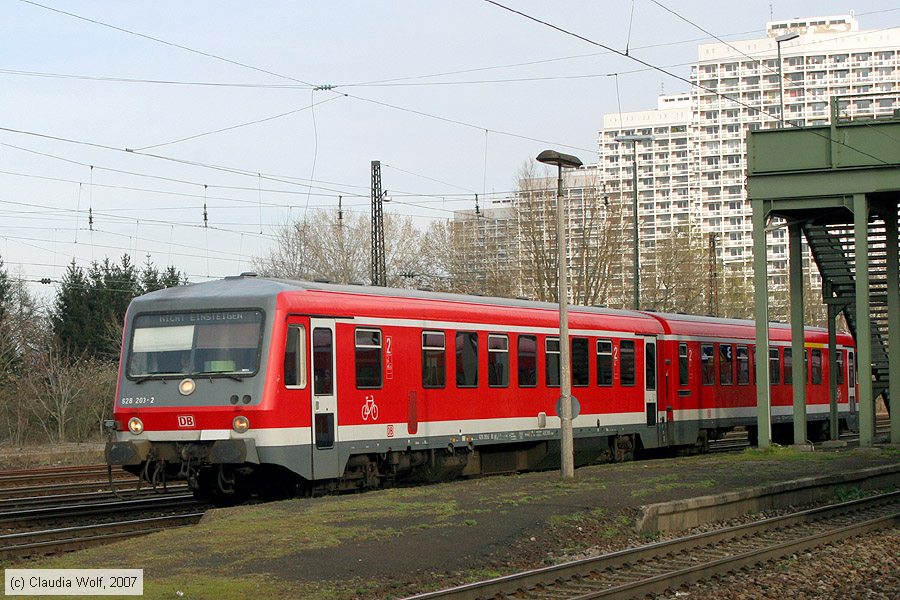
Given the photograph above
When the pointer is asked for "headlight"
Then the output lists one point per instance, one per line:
(240, 424)
(187, 387)
(135, 425)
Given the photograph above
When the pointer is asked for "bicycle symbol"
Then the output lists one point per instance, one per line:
(370, 408)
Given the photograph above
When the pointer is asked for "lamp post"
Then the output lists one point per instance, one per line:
(782, 38)
(567, 444)
(633, 140)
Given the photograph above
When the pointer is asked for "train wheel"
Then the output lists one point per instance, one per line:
(702, 444)
(221, 486)
(753, 436)
(622, 447)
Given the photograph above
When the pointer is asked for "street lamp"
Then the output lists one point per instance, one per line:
(567, 444)
(782, 38)
(633, 140)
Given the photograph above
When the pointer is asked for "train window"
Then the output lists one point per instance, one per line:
(708, 364)
(581, 375)
(466, 359)
(683, 370)
(743, 365)
(324, 424)
(551, 359)
(650, 365)
(788, 367)
(294, 357)
(626, 362)
(815, 364)
(774, 367)
(434, 359)
(840, 367)
(726, 364)
(604, 363)
(527, 361)
(323, 373)
(851, 368)
(498, 360)
(213, 344)
(368, 358)
(753, 364)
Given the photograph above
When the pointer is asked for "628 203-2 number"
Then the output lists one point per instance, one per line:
(137, 401)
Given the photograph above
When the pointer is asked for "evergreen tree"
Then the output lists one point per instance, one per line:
(152, 279)
(90, 306)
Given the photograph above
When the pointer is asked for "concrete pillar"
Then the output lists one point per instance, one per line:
(893, 303)
(798, 348)
(761, 314)
(863, 321)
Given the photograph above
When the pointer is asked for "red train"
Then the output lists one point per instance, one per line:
(256, 385)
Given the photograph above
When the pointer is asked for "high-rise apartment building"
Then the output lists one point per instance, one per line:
(690, 152)
(693, 171)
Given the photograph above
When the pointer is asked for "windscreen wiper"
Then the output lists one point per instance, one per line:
(210, 374)
(143, 378)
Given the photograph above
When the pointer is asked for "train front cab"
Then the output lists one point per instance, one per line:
(192, 394)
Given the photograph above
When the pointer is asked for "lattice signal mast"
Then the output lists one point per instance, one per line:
(379, 274)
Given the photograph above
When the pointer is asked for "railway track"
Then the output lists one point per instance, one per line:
(36, 499)
(45, 511)
(27, 477)
(67, 539)
(62, 528)
(30, 516)
(656, 568)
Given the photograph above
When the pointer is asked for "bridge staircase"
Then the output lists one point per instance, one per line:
(833, 249)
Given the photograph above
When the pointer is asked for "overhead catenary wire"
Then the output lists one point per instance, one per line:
(195, 183)
(239, 125)
(308, 192)
(166, 42)
(737, 101)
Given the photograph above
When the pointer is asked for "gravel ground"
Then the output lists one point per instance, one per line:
(864, 567)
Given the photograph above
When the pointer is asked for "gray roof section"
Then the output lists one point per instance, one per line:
(263, 290)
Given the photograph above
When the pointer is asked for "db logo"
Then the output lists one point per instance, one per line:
(186, 421)
(390, 431)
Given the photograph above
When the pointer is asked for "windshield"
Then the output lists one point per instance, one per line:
(182, 344)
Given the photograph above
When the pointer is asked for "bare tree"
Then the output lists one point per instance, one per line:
(336, 247)
(536, 205)
(53, 385)
(477, 253)
(291, 256)
(596, 237)
(674, 274)
(736, 294)
(24, 330)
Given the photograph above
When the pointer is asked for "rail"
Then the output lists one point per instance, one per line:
(667, 565)
(51, 541)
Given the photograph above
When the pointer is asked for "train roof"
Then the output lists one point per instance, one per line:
(695, 325)
(249, 287)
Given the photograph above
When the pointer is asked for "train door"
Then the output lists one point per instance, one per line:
(650, 394)
(325, 463)
(851, 381)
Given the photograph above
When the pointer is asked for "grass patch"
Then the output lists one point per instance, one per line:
(849, 493)
(667, 483)
(781, 453)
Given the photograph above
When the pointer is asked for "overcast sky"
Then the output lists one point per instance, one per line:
(452, 97)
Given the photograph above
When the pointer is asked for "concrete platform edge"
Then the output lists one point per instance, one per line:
(692, 512)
